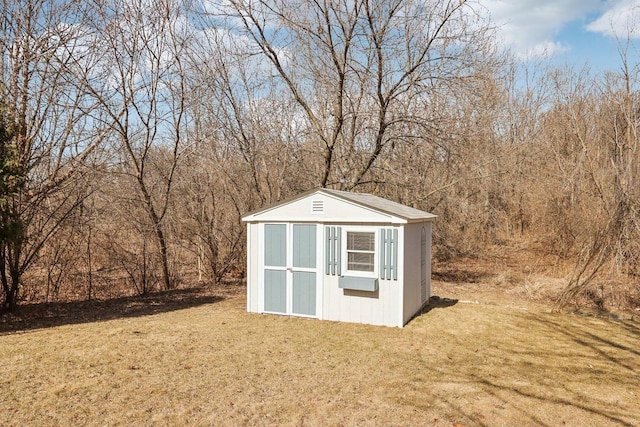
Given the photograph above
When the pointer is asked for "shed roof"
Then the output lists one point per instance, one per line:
(381, 204)
(365, 200)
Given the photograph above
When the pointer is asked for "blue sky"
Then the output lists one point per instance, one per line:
(574, 32)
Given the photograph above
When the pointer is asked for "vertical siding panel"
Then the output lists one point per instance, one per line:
(423, 264)
(388, 292)
(331, 303)
(353, 304)
(411, 277)
(254, 278)
(428, 260)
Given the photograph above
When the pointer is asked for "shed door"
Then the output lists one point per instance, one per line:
(275, 268)
(304, 274)
(290, 274)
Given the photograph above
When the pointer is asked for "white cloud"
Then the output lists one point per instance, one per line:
(529, 27)
(620, 20)
(544, 49)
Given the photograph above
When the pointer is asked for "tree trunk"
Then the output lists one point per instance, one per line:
(166, 278)
(10, 283)
(159, 233)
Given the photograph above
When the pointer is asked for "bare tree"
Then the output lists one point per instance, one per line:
(241, 119)
(142, 91)
(52, 135)
(209, 219)
(605, 124)
(360, 72)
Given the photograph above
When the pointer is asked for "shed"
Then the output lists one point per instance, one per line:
(342, 256)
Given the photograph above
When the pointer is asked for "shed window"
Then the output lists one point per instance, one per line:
(361, 247)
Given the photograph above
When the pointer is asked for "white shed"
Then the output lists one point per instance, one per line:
(342, 256)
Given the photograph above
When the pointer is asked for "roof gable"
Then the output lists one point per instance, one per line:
(325, 205)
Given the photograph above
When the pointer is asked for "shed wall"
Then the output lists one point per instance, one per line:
(253, 268)
(428, 228)
(382, 307)
(413, 301)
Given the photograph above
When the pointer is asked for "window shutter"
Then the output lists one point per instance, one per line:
(382, 246)
(388, 253)
(333, 237)
(395, 254)
(338, 250)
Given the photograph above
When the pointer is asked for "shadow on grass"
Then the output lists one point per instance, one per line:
(434, 302)
(46, 315)
(612, 413)
(600, 342)
(437, 302)
(544, 374)
(591, 345)
(630, 326)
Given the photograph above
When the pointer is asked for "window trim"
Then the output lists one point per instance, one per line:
(344, 252)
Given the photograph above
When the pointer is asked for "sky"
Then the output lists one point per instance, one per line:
(571, 32)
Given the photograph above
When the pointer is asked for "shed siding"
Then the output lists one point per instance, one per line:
(253, 268)
(413, 301)
(427, 226)
(382, 307)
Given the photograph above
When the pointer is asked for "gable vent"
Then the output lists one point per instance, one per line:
(317, 206)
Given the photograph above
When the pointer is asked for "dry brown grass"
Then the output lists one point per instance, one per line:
(492, 364)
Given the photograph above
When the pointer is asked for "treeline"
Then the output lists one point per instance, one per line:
(135, 134)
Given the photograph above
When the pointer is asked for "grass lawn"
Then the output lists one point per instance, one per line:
(214, 364)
